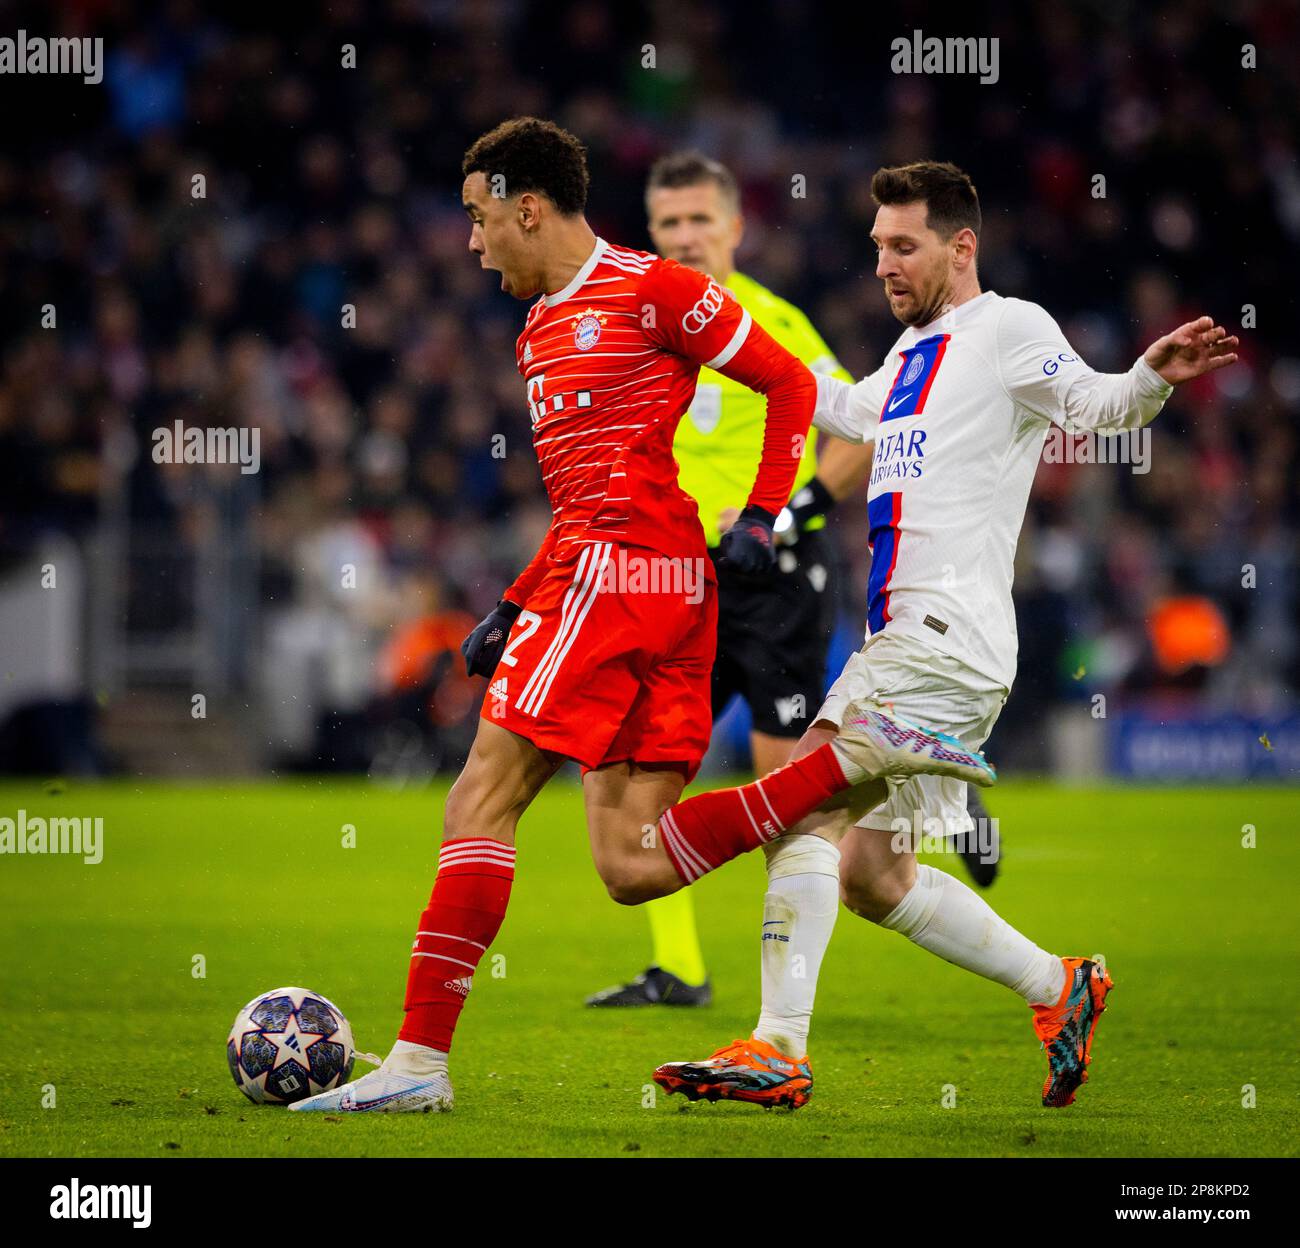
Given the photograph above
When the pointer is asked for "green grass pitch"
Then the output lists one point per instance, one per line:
(98, 996)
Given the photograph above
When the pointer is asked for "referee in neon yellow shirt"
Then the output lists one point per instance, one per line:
(773, 633)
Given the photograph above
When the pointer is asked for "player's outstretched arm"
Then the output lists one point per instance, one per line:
(1042, 372)
(1192, 350)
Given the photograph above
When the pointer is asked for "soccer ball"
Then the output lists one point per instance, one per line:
(287, 1044)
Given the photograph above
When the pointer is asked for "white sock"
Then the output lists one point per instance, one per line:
(799, 912)
(409, 1058)
(942, 915)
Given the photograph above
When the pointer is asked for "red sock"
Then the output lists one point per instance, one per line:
(709, 829)
(464, 915)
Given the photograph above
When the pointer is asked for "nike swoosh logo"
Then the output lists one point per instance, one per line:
(769, 922)
(901, 399)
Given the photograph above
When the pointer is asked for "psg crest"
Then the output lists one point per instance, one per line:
(586, 329)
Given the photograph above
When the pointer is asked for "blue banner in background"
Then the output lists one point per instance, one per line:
(1148, 745)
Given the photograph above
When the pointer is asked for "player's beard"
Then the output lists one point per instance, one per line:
(926, 315)
(933, 307)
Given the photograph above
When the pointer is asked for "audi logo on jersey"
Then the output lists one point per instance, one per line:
(706, 308)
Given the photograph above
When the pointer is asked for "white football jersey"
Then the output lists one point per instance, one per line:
(959, 412)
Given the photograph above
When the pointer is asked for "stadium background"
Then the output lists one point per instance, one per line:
(328, 186)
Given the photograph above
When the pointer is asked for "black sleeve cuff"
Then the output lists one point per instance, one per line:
(811, 499)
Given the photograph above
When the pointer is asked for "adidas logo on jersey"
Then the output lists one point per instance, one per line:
(461, 986)
(497, 689)
(528, 353)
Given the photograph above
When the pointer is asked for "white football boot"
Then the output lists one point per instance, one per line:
(384, 1092)
(886, 745)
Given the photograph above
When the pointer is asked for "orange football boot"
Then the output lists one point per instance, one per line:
(1066, 1028)
(745, 1070)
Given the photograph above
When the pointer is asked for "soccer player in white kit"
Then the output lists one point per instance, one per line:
(959, 412)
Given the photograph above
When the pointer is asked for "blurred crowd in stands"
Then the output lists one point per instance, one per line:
(328, 180)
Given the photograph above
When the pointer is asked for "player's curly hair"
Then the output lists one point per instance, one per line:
(531, 154)
(951, 203)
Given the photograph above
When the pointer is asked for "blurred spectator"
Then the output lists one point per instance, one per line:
(320, 291)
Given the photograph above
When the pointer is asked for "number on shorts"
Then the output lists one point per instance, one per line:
(529, 620)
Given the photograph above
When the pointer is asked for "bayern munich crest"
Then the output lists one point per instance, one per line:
(586, 329)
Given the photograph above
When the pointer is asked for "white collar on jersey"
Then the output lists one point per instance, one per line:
(580, 277)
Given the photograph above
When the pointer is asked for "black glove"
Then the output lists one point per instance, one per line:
(811, 500)
(748, 546)
(482, 648)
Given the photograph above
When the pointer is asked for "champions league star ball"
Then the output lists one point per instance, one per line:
(287, 1044)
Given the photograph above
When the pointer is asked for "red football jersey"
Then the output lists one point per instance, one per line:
(610, 365)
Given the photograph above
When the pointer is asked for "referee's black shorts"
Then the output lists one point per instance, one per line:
(773, 634)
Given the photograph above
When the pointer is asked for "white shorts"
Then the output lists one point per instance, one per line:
(934, 690)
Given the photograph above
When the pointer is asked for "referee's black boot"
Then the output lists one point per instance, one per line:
(654, 986)
(983, 867)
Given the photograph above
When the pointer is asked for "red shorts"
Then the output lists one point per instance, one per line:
(610, 660)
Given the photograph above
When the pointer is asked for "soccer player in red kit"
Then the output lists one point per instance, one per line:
(602, 648)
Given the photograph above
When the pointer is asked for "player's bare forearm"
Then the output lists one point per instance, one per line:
(1191, 350)
(843, 466)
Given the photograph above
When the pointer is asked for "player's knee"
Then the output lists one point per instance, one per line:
(871, 898)
(458, 811)
(630, 882)
(476, 808)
